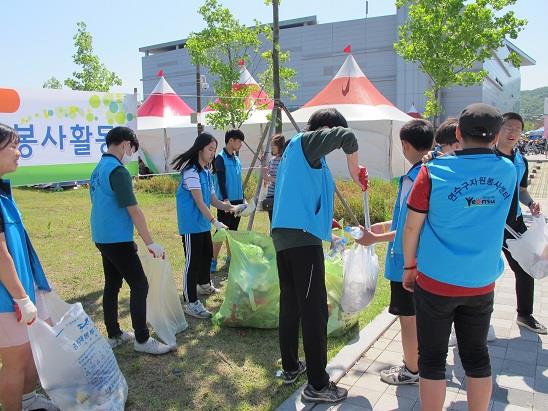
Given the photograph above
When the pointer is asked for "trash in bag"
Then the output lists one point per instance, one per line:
(339, 322)
(361, 269)
(530, 249)
(76, 365)
(164, 311)
(252, 295)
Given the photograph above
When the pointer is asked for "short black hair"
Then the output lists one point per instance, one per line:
(8, 135)
(118, 135)
(513, 116)
(326, 117)
(419, 133)
(235, 133)
(447, 132)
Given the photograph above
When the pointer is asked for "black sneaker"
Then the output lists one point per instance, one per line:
(330, 393)
(530, 323)
(289, 377)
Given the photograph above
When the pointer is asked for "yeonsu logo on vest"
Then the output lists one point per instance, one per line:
(488, 201)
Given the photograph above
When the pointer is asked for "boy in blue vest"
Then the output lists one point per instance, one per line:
(416, 139)
(457, 207)
(302, 217)
(114, 212)
(229, 189)
(512, 127)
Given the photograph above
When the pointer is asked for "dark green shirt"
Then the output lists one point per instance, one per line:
(316, 144)
(121, 184)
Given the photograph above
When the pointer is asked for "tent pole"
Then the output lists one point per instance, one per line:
(166, 151)
(390, 148)
(255, 156)
(270, 129)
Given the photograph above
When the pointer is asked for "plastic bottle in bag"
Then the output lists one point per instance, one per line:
(355, 232)
(338, 247)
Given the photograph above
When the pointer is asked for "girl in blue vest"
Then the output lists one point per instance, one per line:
(451, 245)
(195, 195)
(22, 280)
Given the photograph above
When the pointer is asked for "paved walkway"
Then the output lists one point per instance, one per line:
(519, 357)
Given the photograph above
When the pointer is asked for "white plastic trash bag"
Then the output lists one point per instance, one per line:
(76, 365)
(530, 249)
(361, 269)
(164, 311)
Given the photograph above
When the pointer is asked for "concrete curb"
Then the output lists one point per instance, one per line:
(345, 358)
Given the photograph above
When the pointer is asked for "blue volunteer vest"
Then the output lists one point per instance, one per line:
(233, 177)
(519, 164)
(304, 195)
(189, 217)
(394, 253)
(27, 265)
(109, 222)
(462, 235)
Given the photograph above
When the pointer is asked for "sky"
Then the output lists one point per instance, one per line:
(36, 37)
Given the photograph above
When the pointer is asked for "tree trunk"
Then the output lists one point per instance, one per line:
(276, 61)
(437, 94)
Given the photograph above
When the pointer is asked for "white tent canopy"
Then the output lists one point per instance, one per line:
(162, 110)
(180, 133)
(374, 118)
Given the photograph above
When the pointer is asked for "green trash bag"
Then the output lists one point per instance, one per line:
(252, 297)
(339, 322)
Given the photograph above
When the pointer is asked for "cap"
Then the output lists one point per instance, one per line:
(480, 120)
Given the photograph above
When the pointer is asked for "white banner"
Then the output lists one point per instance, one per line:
(62, 132)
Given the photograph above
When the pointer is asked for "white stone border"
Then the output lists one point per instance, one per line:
(346, 357)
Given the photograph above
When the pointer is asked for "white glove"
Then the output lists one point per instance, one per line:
(220, 226)
(156, 250)
(239, 209)
(26, 311)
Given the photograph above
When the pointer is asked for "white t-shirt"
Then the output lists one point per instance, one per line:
(191, 180)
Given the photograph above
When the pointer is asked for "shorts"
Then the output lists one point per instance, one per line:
(13, 333)
(229, 219)
(470, 316)
(401, 300)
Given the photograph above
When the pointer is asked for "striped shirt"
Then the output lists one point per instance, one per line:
(272, 170)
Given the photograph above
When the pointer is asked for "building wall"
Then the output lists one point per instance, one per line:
(316, 55)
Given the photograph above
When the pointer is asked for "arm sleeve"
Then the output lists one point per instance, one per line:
(319, 143)
(120, 182)
(191, 180)
(523, 182)
(419, 198)
(221, 176)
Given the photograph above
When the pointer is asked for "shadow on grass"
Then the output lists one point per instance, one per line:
(213, 368)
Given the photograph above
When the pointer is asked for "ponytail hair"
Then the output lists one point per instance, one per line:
(190, 157)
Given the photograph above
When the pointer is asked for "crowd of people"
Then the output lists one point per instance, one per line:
(532, 147)
(443, 257)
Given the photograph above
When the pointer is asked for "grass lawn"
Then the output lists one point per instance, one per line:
(213, 368)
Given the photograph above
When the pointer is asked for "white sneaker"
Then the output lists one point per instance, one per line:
(206, 289)
(491, 336)
(151, 346)
(126, 336)
(399, 375)
(197, 310)
(38, 402)
(452, 338)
